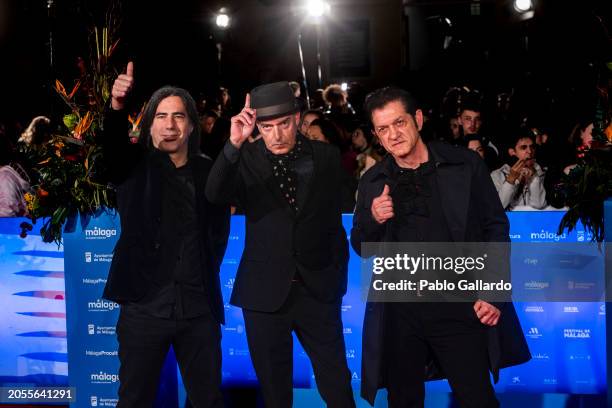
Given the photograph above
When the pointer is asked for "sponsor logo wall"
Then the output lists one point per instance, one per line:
(91, 320)
(567, 339)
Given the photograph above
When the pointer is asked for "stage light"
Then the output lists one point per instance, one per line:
(344, 86)
(523, 6)
(317, 8)
(222, 20)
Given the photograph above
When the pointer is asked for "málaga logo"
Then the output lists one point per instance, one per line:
(100, 233)
(544, 235)
(101, 305)
(103, 378)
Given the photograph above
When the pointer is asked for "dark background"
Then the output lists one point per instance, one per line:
(551, 62)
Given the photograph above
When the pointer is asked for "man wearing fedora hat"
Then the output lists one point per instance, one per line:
(293, 270)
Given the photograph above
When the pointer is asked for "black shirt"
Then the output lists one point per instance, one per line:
(417, 206)
(177, 290)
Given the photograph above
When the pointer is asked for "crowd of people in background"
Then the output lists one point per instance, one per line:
(526, 156)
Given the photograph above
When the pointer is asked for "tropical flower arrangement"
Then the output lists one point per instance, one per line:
(589, 184)
(67, 168)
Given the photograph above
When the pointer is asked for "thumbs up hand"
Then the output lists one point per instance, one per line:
(382, 207)
(122, 87)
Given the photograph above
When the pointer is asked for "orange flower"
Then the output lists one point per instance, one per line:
(83, 125)
(74, 90)
(60, 89)
(136, 121)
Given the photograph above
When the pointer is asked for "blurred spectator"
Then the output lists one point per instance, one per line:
(337, 101)
(207, 121)
(325, 131)
(474, 142)
(582, 134)
(317, 102)
(211, 144)
(38, 132)
(455, 129)
(307, 118)
(224, 102)
(297, 92)
(581, 139)
(521, 181)
(361, 138)
(470, 120)
(14, 181)
(368, 150)
(296, 88)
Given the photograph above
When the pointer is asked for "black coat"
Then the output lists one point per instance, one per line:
(137, 174)
(473, 213)
(278, 241)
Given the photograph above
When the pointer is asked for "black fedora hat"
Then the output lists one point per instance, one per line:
(273, 100)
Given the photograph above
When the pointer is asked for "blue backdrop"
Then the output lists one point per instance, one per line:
(567, 340)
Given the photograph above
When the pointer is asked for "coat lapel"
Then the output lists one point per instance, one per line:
(317, 163)
(454, 185)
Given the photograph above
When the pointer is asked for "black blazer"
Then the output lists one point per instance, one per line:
(137, 174)
(473, 213)
(278, 241)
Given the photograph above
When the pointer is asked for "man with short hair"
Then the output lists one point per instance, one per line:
(521, 182)
(430, 192)
(165, 268)
(293, 272)
(470, 120)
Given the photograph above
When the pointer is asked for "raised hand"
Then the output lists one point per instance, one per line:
(515, 172)
(122, 87)
(382, 207)
(243, 124)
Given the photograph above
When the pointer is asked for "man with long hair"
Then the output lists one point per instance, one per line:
(165, 269)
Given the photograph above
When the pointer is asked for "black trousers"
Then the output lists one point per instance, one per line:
(452, 335)
(318, 327)
(144, 342)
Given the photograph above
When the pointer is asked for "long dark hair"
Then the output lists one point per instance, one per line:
(192, 113)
